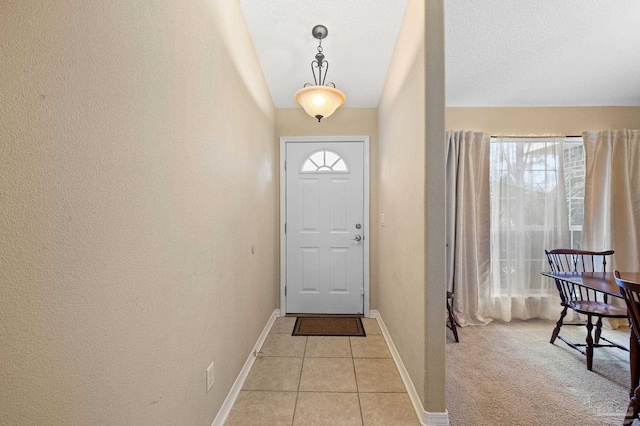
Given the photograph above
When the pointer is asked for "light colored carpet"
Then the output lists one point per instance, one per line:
(509, 374)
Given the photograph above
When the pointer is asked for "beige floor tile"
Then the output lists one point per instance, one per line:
(377, 375)
(283, 325)
(274, 374)
(373, 346)
(262, 408)
(328, 347)
(383, 409)
(328, 374)
(283, 345)
(327, 408)
(371, 326)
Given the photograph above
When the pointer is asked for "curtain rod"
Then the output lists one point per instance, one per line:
(535, 137)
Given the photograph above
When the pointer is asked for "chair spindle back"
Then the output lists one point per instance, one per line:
(631, 293)
(569, 260)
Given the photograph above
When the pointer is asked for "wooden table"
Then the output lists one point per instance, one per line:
(606, 283)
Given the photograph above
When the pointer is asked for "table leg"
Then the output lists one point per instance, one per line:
(589, 348)
(634, 366)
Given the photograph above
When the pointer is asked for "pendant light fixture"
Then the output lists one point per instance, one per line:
(320, 100)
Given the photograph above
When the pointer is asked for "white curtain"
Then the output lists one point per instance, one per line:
(528, 215)
(612, 196)
(468, 220)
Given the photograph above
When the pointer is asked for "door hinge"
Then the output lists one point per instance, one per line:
(285, 164)
(285, 228)
(285, 290)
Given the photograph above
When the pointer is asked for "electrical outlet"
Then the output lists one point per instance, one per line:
(209, 377)
(382, 219)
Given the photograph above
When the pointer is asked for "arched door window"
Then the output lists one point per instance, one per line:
(324, 161)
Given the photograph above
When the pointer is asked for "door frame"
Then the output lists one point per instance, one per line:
(283, 209)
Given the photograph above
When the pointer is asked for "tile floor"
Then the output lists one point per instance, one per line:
(323, 381)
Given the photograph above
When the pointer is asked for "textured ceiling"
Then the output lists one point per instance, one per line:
(542, 52)
(362, 36)
(498, 52)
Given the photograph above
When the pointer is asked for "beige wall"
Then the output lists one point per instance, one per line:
(435, 350)
(344, 122)
(138, 169)
(569, 121)
(401, 173)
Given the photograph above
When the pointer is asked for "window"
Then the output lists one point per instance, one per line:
(324, 161)
(574, 174)
(537, 193)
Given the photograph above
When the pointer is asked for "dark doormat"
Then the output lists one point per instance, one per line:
(328, 325)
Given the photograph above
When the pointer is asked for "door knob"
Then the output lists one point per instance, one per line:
(357, 238)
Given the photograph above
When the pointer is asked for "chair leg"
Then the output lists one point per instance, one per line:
(633, 408)
(452, 322)
(596, 337)
(556, 330)
(589, 347)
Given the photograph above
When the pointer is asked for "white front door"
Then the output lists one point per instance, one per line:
(325, 227)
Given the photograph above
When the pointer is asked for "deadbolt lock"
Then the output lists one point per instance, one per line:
(358, 226)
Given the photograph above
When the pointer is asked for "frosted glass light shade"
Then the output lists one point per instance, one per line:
(320, 101)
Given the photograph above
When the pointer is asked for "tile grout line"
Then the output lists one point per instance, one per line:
(355, 376)
(295, 406)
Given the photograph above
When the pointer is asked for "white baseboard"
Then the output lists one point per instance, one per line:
(426, 418)
(224, 411)
(436, 419)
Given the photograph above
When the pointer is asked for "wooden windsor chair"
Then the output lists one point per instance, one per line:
(589, 303)
(451, 321)
(631, 293)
